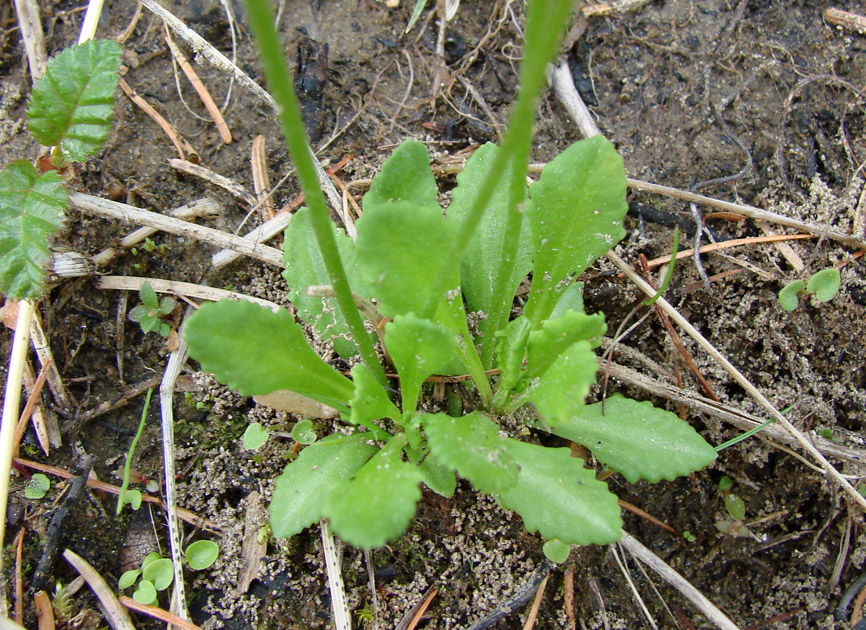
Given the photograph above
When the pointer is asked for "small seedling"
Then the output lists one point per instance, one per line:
(736, 508)
(37, 486)
(132, 497)
(823, 285)
(255, 436)
(152, 312)
(157, 573)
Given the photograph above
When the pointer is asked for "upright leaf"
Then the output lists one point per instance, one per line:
(559, 393)
(419, 349)
(370, 401)
(575, 211)
(471, 445)
(301, 491)
(510, 349)
(305, 267)
(481, 263)
(557, 335)
(378, 503)
(638, 440)
(405, 176)
(396, 244)
(71, 103)
(256, 351)
(556, 496)
(31, 212)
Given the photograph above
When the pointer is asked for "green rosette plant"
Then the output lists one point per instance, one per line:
(444, 281)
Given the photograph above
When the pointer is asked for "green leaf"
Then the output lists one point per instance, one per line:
(416, 13)
(300, 492)
(71, 103)
(377, 505)
(471, 445)
(256, 351)
(557, 335)
(419, 348)
(150, 558)
(160, 573)
(396, 244)
(824, 284)
(556, 496)
(145, 593)
(576, 210)
(556, 551)
(560, 392)
(637, 439)
(510, 349)
(370, 402)
(735, 506)
(440, 479)
(405, 176)
(201, 554)
(482, 258)
(304, 432)
(570, 300)
(255, 436)
(132, 498)
(305, 267)
(148, 296)
(166, 305)
(31, 213)
(788, 295)
(37, 486)
(128, 578)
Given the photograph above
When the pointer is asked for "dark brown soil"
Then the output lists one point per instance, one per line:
(678, 86)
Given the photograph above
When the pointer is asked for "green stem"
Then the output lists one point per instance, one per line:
(544, 20)
(280, 83)
(121, 496)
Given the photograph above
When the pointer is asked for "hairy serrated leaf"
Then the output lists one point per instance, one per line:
(72, 102)
(396, 244)
(32, 209)
(378, 503)
(559, 393)
(300, 492)
(556, 496)
(419, 348)
(637, 439)
(575, 211)
(557, 335)
(405, 176)
(479, 267)
(370, 401)
(471, 445)
(256, 351)
(510, 351)
(305, 267)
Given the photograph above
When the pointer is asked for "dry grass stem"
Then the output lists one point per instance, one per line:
(677, 581)
(734, 242)
(216, 179)
(200, 89)
(116, 615)
(203, 49)
(158, 613)
(187, 516)
(186, 289)
(124, 212)
(536, 605)
(30, 24)
(166, 126)
(339, 607)
(413, 617)
(749, 211)
(261, 185)
(635, 593)
(738, 376)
